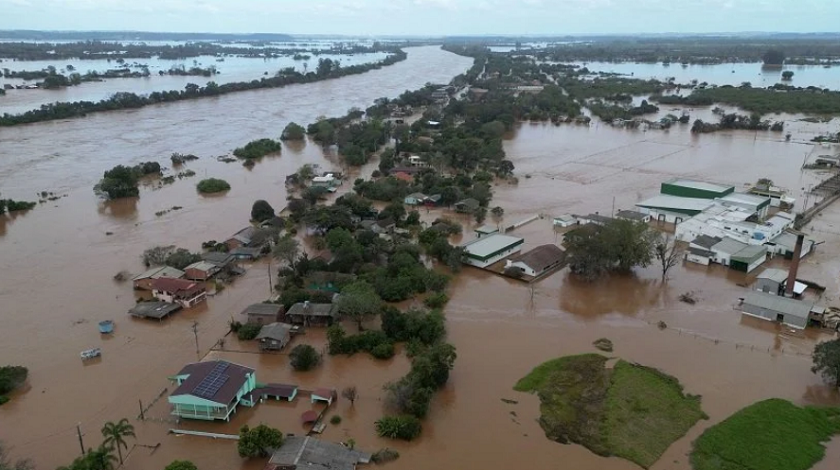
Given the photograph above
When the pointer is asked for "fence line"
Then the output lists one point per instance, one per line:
(744, 346)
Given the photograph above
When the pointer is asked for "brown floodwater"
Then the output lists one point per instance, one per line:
(57, 264)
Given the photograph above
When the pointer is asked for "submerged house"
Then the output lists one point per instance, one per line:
(308, 453)
(308, 313)
(263, 314)
(468, 205)
(211, 390)
(274, 336)
(144, 281)
(179, 291)
(538, 261)
(201, 271)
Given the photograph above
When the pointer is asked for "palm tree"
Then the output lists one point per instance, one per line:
(102, 458)
(115, 435)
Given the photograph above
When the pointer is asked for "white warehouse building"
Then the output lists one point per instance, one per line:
(490, 249)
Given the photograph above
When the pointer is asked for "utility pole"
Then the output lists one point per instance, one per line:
(79, 432)
(270, 286)
(612, 214)
(142, 417)
(195, 332)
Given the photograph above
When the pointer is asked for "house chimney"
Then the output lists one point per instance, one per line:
(794, 265)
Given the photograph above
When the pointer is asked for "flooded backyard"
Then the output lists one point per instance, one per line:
(57, 266)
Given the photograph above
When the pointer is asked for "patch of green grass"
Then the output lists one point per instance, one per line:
(645, 412)
(540, 374)
(769, 435)
(630, 411)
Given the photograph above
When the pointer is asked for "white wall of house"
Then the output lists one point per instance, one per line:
(663, 215)
(697, 259)
(494, 259)
(522, 266)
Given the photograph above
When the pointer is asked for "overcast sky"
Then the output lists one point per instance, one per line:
(424, 17)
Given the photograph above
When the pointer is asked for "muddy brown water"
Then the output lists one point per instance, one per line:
(57, 265)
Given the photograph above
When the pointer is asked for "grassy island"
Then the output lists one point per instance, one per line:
(629, 411)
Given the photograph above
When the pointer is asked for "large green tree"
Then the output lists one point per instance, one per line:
(293, 131)
(827, 361)
(259, 441)
(115, 434)
(287, 249)
(618, 245)
(359, 302)
(304, 357)
(261, 211)
(118, 182)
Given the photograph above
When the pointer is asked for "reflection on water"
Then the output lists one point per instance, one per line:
(123, 208)
(621, 293)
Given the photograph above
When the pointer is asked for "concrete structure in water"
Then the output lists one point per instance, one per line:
(491, 249)
(792, 312)
(211, 390)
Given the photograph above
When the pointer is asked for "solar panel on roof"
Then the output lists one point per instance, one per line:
(211, 384)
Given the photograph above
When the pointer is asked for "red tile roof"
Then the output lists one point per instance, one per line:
(174, 286)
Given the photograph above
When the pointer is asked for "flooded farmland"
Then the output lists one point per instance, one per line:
(57, 264)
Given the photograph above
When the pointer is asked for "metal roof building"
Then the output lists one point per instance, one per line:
(751, 202)
(490, 249)
(775, 308)
(695, 189)
(673, 209)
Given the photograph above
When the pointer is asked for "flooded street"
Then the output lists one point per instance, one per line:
(57, 266)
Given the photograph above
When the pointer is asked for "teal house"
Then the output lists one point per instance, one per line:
(212, 390)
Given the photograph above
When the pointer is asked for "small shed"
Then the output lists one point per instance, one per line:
(276, 391)
(792, 312)
(565, 220)
(771, 281)
(433, 200)
(414, 199)
(274, 336)
(699, 255)
(468, 205)
(326, 395)
(263, 314)
(635, 216)
(596, 219)
(485, 230)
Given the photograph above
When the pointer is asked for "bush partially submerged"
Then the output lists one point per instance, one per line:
(398, 427)
(212, 185)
